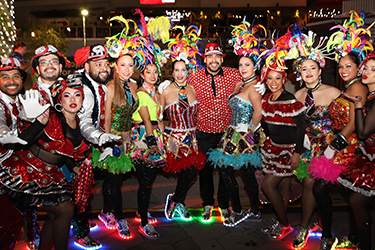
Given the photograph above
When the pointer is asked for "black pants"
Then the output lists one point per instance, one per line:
(207, 141)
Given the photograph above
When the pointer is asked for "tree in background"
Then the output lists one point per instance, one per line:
(7, 27)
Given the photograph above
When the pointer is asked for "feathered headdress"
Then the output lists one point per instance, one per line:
(135, 45)
(275, 57)
(185, 46)
(246, 43)
(351, 37)
(302, 48)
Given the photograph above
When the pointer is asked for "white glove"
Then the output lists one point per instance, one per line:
(260, 87)
(163, 86)
(306, 142)
(242, 127)
(10, 137)
(106, 137)
(106, 152)
(253, 127)
(31, 104)
(329, 152)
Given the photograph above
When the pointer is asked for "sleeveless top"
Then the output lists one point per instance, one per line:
(181, 119)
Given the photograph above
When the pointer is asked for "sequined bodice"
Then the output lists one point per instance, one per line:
(339, 113)
(242, 110)
(180, 118)
(319, 123)
(121, 120)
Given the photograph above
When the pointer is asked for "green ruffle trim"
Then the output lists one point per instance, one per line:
(114, 165)
(301, 172)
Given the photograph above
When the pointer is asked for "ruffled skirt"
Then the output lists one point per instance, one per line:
(275, 158)
(238, 149)
(359, 176)
(140, 151)
(182, 151)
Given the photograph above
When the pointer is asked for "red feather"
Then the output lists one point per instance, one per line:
(82, 55)
(143, 21)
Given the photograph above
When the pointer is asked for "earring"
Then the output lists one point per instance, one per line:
(59, 107)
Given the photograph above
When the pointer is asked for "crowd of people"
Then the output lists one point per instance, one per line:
(54, 134)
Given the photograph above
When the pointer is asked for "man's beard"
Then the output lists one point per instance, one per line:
(97, 78)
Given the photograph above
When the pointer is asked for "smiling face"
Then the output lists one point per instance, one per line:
(125, 67)
(49, 68)
(368, 74)
(98, 70)
(348, 69)
(213, 62)
(71, 100)
(275, 82)
(10, 82)
(310, 72)
(246, 67)
(150, 74)
(180, 72)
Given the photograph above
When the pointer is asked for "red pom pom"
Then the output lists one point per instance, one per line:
(82, 55)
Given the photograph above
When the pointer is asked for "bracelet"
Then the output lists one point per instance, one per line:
(340, 142)
(150, 140)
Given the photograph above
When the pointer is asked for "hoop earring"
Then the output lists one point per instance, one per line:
(158, 81)
(81, 110)
(61, 109)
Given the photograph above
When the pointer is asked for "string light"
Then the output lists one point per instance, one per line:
(324, 14)
(8, 32)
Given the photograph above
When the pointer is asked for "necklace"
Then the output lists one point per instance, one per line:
(346, 86)
(315, 88)
(179, 87)
(248, 80)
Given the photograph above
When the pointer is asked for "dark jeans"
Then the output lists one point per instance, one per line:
(206, 141)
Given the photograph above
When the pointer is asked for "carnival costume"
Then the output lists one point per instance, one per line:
(180, 135)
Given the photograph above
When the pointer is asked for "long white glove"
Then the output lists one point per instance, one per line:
(163, 86)
(306, 142)
(10, 137)
(106, 137)
(106, 152)
(31, 104)
(260, 87)
(329, 152)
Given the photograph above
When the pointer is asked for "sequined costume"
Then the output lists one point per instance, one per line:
(139, 151)
(360, 174)
(287, 128)
(33, 180)
(319, 131)
(181, 140)
(121, 124)
(238, 148)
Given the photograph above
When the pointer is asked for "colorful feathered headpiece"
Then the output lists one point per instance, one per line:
(302, 48)
(245, 43)
(185, 46)
(351, 37)
(135, 44)
(275, 57)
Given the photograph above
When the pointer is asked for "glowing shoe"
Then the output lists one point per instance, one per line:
(123, 229)
(280, 232)
(268, 229)
(170, 207)
(183, 212)
(88, 242)
(33, 244)
(108, 219)
(225, 213)
(149, 232)
(328, 243)
(150, 219)
(301, 237)
(207, 213)
(346, 244)
(236, 218)
(254, 217)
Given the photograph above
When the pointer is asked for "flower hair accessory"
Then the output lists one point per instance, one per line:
(185, 46)
(245, 43)
(351, 37)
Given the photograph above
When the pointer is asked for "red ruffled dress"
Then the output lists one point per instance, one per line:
(359, 176)
(32, 181)
(181, 140)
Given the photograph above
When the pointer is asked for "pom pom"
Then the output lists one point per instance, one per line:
(324, 168)
(82, 55)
